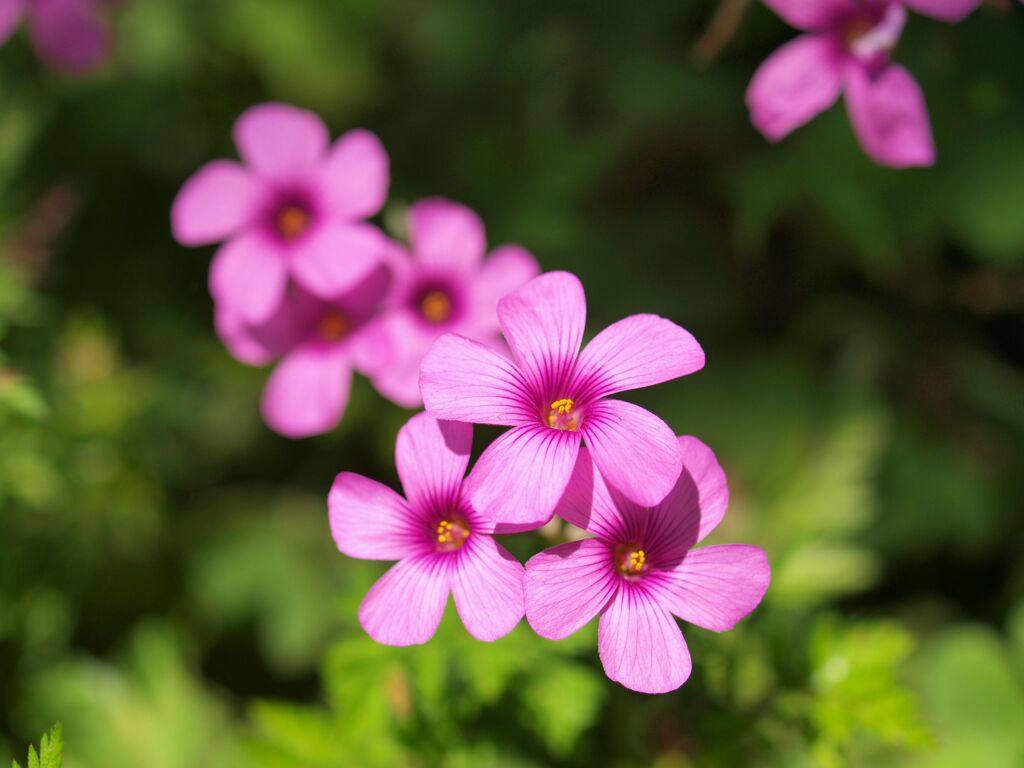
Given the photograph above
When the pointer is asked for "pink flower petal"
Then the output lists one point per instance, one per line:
(372, 522)
(405, 606)
(280, 141)
(519, 478)
(215, 203)
(635, 451)
(589, 504)
(507, 268)
(248, 275)
(464, 380)
(636, 352)
(308, 391)
(702, 494)
(10, 15)
(944, 10)
(543, 323)
(69, 34)
(890, 117)
(714, 587)
(354, 178)
(283, 331)
(337, 257)
(390, 353)
(640, 644)
(568, 585)
(446, 235)
(487, 583)
(432, 457)
(799, 81)
(813, 14)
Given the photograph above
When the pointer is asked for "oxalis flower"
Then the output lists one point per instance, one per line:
(640, 569)
(293, 210)
(442, 544)
(320, 343)
(847, 49)
(443, 284)
(70, 35)
(554, 397)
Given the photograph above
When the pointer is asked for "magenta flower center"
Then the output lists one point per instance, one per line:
(436, 306)
(563, 417)
(452, 534)
(292, 222)
(630, 561)
(334, 326)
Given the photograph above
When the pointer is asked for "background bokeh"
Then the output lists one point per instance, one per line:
(168, 585)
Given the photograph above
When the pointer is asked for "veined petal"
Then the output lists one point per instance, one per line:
(406, 604)
(215, 203)
(589, 504)
(248, 275)
(372, 522)
(640, 644)
(813, 15)
(519, 478)
(446, 235)
(543, 323)
(69, 34)
(354, 179)
(280, 141)
(944, 10)
(635, 451)
(567, 586)
(798, 82)
(432, 457)
(507, 268)
(487, 583)
(308, 391)
(464, 380)
(635, 352)
(714, 587)
(337, 257)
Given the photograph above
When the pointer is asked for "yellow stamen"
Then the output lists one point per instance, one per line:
(631, 562)
(451, 535)
(292, 221)
(560, 416)
(436, 307)
(333, 326)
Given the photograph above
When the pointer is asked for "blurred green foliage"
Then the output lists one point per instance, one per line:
(168, 586)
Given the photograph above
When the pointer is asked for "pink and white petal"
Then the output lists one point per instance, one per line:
(798, 82)
(464, 380)
(406, 604)
(889, 116)
(543, 323)
(280, 141)
(337, 257)
(635, 451)
(432, 457)
(814, 15)
(446, 235)
(354, 179)
(714, 587)
(487, 583)
(589, 505)
(372, 522)
(69, 34)
(640, 644)
(308, 391)
(637, 351)
(11, 12)
(248, 276)
(218, 201)
(507, 268)
(568, 585)
(519, 478)
(944, 10)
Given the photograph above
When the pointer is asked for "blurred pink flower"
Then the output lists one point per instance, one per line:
(319, 341)
(294, 209)
(441, 543)
(847, 49)
(553, 397)
(641, 569)
(70, 35)
(445, 284)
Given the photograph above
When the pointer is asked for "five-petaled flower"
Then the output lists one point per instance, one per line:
(554, 397)
(641, 569)
(445, 284)
(847, 47)
(69, 35)
(441, 542)
(294, 209)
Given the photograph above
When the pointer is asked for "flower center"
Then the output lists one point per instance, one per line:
(631, 562)
(561, 416)
(292, 222)
(451, 534)
(333, 326)
(436, 306)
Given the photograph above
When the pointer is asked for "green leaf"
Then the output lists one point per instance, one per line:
(51, 750)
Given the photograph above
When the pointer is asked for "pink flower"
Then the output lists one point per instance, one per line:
(441, 543)
(641, 569)
(319, 342)
(446, 285)
(553, 397)
(847, 48)
(294, 209)
(68, 34)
